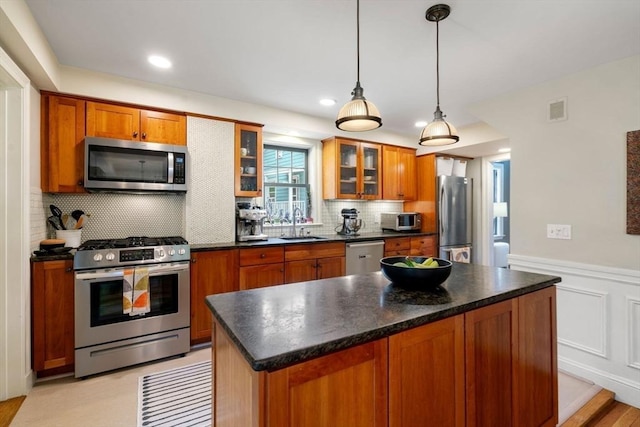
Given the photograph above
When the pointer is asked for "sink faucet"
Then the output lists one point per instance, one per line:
(293, 220)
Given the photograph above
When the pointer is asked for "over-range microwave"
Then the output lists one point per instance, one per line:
(120, 165)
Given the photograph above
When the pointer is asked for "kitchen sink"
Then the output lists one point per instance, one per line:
(301, 238)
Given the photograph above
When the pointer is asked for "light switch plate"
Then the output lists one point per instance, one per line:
(559, 231)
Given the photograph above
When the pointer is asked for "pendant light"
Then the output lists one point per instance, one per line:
(358, 115)
(438, 132)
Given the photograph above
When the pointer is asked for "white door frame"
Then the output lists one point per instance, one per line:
(486, 208)
(16, 377)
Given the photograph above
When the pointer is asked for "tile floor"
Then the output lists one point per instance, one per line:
(111, 400)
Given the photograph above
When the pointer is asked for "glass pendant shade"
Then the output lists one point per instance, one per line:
(358, 115)
(439, 132)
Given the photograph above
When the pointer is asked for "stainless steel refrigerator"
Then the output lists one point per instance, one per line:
(455, 202)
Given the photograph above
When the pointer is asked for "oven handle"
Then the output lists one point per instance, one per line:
(153, 271)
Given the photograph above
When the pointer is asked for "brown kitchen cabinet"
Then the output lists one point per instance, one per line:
(351, 384)
(261, 267)
(424, 246)
(313, 261)
(248, 160)
(511, 366)
(398, 173)
(62, 144)
(129, 123)
(52, 317)
(395, 246)
(351, 169)
(426, 375)
(212, 272)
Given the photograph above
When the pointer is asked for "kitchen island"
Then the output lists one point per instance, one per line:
(360, 351)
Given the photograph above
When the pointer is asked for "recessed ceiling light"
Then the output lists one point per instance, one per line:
(421, 124)
(504, 150)
(328, 102)
(159, 61)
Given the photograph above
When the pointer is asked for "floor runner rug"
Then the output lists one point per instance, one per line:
(176, 397)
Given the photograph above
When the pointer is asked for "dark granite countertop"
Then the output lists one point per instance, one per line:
(274, 241)
(282, 325)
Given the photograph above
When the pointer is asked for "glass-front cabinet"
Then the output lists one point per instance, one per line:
(351, 169)
(248, 160)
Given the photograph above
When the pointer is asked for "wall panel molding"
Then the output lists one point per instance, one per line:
(633, 317)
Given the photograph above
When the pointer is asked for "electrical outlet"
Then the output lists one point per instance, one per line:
(559, 231)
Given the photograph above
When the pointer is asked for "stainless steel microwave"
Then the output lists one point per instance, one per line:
(401, 221)
(120, 165)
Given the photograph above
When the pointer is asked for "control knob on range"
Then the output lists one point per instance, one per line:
(172, 252)
(182, 251)
(97, 257)
(110, 256)
(161, 253)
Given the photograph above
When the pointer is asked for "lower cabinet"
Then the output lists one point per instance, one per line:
(493, 366)
(426, 368)
(260, 267)
(52, 307)
(212, 272)
(414, 246)
(396, 246)
(314, 261)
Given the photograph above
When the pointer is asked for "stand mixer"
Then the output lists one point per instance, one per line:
(350, 222)
(249, 223)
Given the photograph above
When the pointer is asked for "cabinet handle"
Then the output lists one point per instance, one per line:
(263, 255)
(80, 182)
(193, 260)
(144, 135)
(68, 269)
(135, 134)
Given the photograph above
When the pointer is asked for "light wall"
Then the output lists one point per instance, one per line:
(572, 172)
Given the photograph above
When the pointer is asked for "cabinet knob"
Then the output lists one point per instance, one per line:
(263, 255)
(81, 182)
(144, 135)
(193, 260)
(135, 134)
(68, 269)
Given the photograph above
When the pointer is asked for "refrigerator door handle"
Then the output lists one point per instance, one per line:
(441, 213)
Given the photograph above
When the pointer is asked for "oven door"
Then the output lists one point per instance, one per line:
(98, 304)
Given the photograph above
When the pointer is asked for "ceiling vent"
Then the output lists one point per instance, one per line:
(557, 110)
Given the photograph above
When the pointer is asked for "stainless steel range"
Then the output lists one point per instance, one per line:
(131, 302)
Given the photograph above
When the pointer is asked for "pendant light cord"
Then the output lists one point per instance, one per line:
(358, 37)
(437, 63)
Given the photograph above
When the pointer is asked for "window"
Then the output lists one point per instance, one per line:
(286, 184)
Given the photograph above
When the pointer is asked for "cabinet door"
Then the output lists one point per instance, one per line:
(212, 272)
(390, 164)
(165, 128)
(407, 173)
(349, 176)
(397, 246)
(62, 144)
(346, 388)
(370, 174)
(248, 160)
(52, 308)
(113, 121)
(259, 276)
(425, 200)
(491, 337)
(424, 246)
(537, 385)
(427, 368)
(331, 267)
(300, 271)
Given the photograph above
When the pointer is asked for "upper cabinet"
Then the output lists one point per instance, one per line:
(399, 173)
(122, 122)
(66, 120)
(248, 160)
(62, 144)
(351, 169)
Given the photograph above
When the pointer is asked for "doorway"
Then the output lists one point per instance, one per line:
(501, 173)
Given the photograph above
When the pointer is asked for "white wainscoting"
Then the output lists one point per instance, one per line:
(598, 312)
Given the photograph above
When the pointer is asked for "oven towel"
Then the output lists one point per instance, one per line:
(461, 254)
(127, 291)
(141, 301)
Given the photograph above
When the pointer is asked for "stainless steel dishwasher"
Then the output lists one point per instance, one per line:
(364, 257)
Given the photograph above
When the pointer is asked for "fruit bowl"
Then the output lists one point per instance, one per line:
(415, 277)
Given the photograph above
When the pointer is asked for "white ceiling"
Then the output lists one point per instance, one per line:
(288, 54)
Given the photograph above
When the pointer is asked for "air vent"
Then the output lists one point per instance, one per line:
(557, 110)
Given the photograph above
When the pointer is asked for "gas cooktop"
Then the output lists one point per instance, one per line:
(130, 251)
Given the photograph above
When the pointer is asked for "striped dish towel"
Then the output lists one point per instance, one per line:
(140, 295)
(127, 291)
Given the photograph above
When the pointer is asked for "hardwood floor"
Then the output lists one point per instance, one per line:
(603, 411)
(9, 409)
